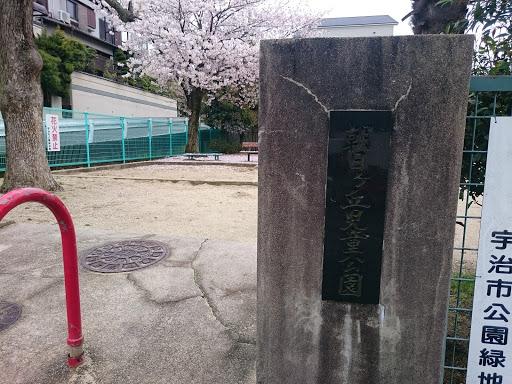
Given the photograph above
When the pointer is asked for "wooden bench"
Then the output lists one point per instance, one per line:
(250, 148)
(192, 156)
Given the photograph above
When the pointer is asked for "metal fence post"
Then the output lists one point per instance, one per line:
(170, 138)
(149, 136)
(86, 119)
(122, 139)
(200, 142)
(210, 142)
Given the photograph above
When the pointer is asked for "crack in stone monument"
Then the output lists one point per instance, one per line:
(276, 131)
(402, 98)
(308, 91)
(209, 301)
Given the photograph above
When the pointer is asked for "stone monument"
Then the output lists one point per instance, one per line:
(360, 152)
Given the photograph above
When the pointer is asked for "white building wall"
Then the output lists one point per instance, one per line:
(98, 95)
(357, 31)
(55, 5)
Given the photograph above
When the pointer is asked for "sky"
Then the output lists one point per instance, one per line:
(397, 9)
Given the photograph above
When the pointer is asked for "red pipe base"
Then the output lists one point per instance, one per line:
(74, 362)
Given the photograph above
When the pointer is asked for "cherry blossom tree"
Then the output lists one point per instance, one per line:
(201, 46)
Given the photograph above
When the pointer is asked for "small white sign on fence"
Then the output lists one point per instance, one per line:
(490, 347)
(52, 133)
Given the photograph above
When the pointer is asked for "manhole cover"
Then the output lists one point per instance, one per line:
(124, 256)
(9, 313)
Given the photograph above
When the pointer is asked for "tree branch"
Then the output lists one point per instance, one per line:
(124, 14)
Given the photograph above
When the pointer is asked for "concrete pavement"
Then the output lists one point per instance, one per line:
(190, 318)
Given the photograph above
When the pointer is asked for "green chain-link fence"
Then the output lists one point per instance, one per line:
(90, 138)
(489, 97)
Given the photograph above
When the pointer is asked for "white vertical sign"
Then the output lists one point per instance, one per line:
(490, 347)
(52, 133)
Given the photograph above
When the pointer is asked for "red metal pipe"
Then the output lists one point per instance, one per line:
(69, 254)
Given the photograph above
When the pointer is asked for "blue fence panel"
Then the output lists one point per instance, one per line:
(89, 138)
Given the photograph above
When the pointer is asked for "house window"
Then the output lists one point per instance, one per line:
(105, 32)
(91, 18)
(72, 9)
(103, 29)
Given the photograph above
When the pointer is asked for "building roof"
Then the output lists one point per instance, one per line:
(356, 21)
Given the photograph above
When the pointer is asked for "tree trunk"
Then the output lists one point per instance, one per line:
(21, 100)
(429, 18)
(194, 103)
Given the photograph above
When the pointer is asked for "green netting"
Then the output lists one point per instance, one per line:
(2, 147)
(90, 138)
(205, 137)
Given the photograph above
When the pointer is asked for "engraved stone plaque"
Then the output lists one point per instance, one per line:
(358, 159)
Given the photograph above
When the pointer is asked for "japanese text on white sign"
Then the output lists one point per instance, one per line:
(490, 348)
(52, 133)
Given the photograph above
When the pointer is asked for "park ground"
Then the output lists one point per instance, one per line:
(165, 197)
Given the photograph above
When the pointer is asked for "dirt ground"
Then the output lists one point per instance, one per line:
(152, 199)
(187, 200)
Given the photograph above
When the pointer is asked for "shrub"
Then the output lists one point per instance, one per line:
(224, 147)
